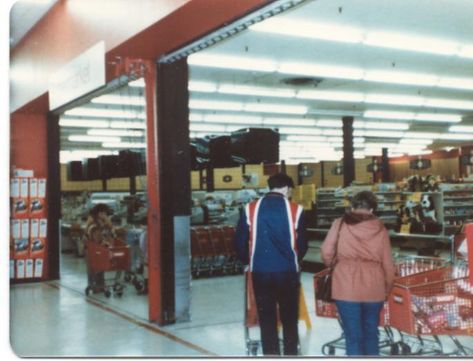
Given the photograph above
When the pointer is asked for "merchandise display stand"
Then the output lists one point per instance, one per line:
(28, 227)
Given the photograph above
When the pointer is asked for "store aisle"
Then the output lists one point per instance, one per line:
(51, 319)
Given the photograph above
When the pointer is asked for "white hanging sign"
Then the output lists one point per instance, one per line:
(78, 77)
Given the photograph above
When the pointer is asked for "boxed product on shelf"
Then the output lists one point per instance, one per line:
(24, 188)
(12, 269)
(37, 247)
(41, 187)
(20, 268)
(34, 231)
(15, 187)
(21, 248)
(43, 228)
(37, 207)
(20, 208)
(15, 228)
(25, 228)
(38, 268)
(29, 264)
(33, 187)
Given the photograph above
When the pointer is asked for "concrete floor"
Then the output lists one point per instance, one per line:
(56, 319)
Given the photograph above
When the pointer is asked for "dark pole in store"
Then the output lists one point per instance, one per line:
(283, 166)
(348, 149)
(385, 165)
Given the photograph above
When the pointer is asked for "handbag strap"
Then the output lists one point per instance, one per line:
(332, 263)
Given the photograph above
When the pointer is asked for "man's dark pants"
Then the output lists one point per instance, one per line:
(272, 290)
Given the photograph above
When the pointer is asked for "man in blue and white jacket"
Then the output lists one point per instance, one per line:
(271, 239)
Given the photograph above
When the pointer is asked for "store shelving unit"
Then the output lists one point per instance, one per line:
(457, 205)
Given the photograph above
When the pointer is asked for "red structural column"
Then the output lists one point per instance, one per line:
(154, 216)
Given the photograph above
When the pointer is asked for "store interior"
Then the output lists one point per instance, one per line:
(406, 80)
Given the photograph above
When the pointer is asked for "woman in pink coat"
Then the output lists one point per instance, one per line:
(363, 272)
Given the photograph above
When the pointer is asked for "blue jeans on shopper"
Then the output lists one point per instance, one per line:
(360, 326)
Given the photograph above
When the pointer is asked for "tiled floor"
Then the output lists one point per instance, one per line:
(56, 319)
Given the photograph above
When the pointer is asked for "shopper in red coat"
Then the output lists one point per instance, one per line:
(363, 274)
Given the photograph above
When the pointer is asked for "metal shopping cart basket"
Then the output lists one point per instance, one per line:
(253, 346)
(433, 303)
(107, 259)
(329, 309)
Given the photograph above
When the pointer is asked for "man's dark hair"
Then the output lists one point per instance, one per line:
(100, 207)
(280, 180)
(364, 200)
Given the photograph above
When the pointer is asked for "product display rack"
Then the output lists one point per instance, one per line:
(28, 227)
(457, 205)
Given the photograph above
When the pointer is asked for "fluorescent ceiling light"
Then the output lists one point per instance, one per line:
(215, 105)
(329, 123)
(256, 90)
(231, 62)
(461, 128)
(399, 77)
(371, 145)
(332, 32)
(127, 124)
(435, 117)
(381, 125)
(139, 83)
(383, 134)
(332, 132)
(105, 113)
(388, 114)
(225, 118)
(359, 155)
(289, 121)
(202, 86)
(321, 70)
(306, 138)
(419, 152)
(119, 100)
(196, 117)
(66, 156)
(449, 103)
(301, 131)
(394, 99)
(116, 132)
(358, 140)
(410, 42)
(124, 145)
(331, 95)
(90, 138)
(455, 83)
(85, 123)
(416, 141)
(422, 135)
(206, 128)
(275, 108)
(454, 136)
(466, 51)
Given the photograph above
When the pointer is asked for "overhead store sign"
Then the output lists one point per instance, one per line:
(79, 77)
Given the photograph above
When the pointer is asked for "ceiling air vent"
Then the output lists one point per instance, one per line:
(302, 81)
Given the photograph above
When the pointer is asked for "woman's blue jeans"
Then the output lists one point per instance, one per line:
(360, 326)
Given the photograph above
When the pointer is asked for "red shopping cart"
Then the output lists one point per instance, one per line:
(104, 259)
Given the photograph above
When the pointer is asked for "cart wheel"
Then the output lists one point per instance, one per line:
(119, 293)
(405, 349)
(139, 286)
(331, 350)
(88, 290)
(254, 350)
(108, 293)
(127, 277)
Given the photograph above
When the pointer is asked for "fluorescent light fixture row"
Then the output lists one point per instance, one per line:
(416, 141)
(119, 100)
(83, 123)
(123, 145)
(66, 156)
(378, 38)
(91, 138)
(127, 124)
(104, 113)
(116, 132)
(428, 117)
(256, 90)
(380, 125)
(231, 62)
(247, 107)
(461, 129)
